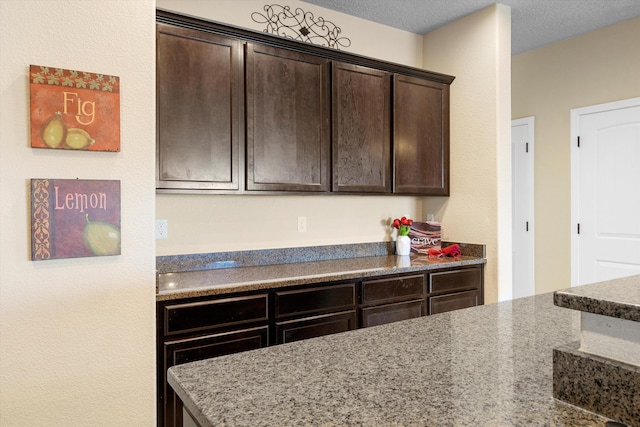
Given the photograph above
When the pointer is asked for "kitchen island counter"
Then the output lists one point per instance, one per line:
(601, 372)
(618, 298)
(484, 366)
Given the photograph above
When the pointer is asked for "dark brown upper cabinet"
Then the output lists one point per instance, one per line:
(244, 112)
(288, 120)
(420, 136)
(361, 131)
(200, 115)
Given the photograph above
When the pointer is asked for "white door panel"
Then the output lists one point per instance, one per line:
(608, 194)
(522, 143)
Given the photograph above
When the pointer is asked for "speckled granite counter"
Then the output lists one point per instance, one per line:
(619, 298)
(293, 267)
(601, 371)
(484, 366)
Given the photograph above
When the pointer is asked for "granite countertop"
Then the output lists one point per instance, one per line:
(619, 298)
(174, 285)
(484, 366)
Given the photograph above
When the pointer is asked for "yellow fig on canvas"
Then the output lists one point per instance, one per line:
(54, 130)
(78, 138)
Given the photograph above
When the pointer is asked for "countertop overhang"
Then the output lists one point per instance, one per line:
(618, 298)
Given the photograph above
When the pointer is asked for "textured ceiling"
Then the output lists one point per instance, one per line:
(534, 23)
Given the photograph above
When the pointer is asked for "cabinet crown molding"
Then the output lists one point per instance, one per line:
(167, 17)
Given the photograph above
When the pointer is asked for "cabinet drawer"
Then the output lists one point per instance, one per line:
(315, 326)
(315, 300)
(220, 313)
(455, 280)
(444, 303)
(388, 313)
(192, 349)
(393, 289)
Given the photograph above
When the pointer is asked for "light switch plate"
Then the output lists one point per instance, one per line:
(302, 224)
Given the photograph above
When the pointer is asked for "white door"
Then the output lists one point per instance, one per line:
(606, 191)
(522, 137)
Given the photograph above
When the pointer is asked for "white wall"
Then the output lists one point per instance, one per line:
(209, 223)
(597, 67)
(77, 336)
(477, 50)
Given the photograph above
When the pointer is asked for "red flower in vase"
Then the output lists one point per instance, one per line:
(403, 225)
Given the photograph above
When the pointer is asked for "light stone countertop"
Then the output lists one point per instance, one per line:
(220, 281)
(619, 298)
(483, 366)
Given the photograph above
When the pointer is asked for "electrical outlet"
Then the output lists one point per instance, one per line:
(162, 229)
(302, 224)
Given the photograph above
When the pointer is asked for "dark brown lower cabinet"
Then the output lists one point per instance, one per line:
(449, 302)
(315, 326)
(200, 328)
(455, 289)
(191, 349)
(309, 312)
(391, 299)
(314, 299)
(455, 280)
(387, 313)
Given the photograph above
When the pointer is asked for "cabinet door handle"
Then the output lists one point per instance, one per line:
(476, 299)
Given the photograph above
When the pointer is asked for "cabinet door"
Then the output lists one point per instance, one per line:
(288, 120)
(315, 326)
(361, 134)
(449, 302)
(388, 313)
(189, 350)
(421, 136)
(199, 109)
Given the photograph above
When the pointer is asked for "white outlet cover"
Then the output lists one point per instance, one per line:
(162, 229)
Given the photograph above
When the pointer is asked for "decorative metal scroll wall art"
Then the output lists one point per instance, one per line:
(300, 25)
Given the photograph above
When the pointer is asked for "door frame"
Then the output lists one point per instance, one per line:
(530, 122)
(576, 114)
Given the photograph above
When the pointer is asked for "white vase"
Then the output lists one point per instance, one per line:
(403, 261)
(403, 245)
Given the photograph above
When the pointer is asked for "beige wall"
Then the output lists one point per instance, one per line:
(477, 50)
(367, 38)
(211, 223)
(77, 336)
(598, 67)
(218, 223)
